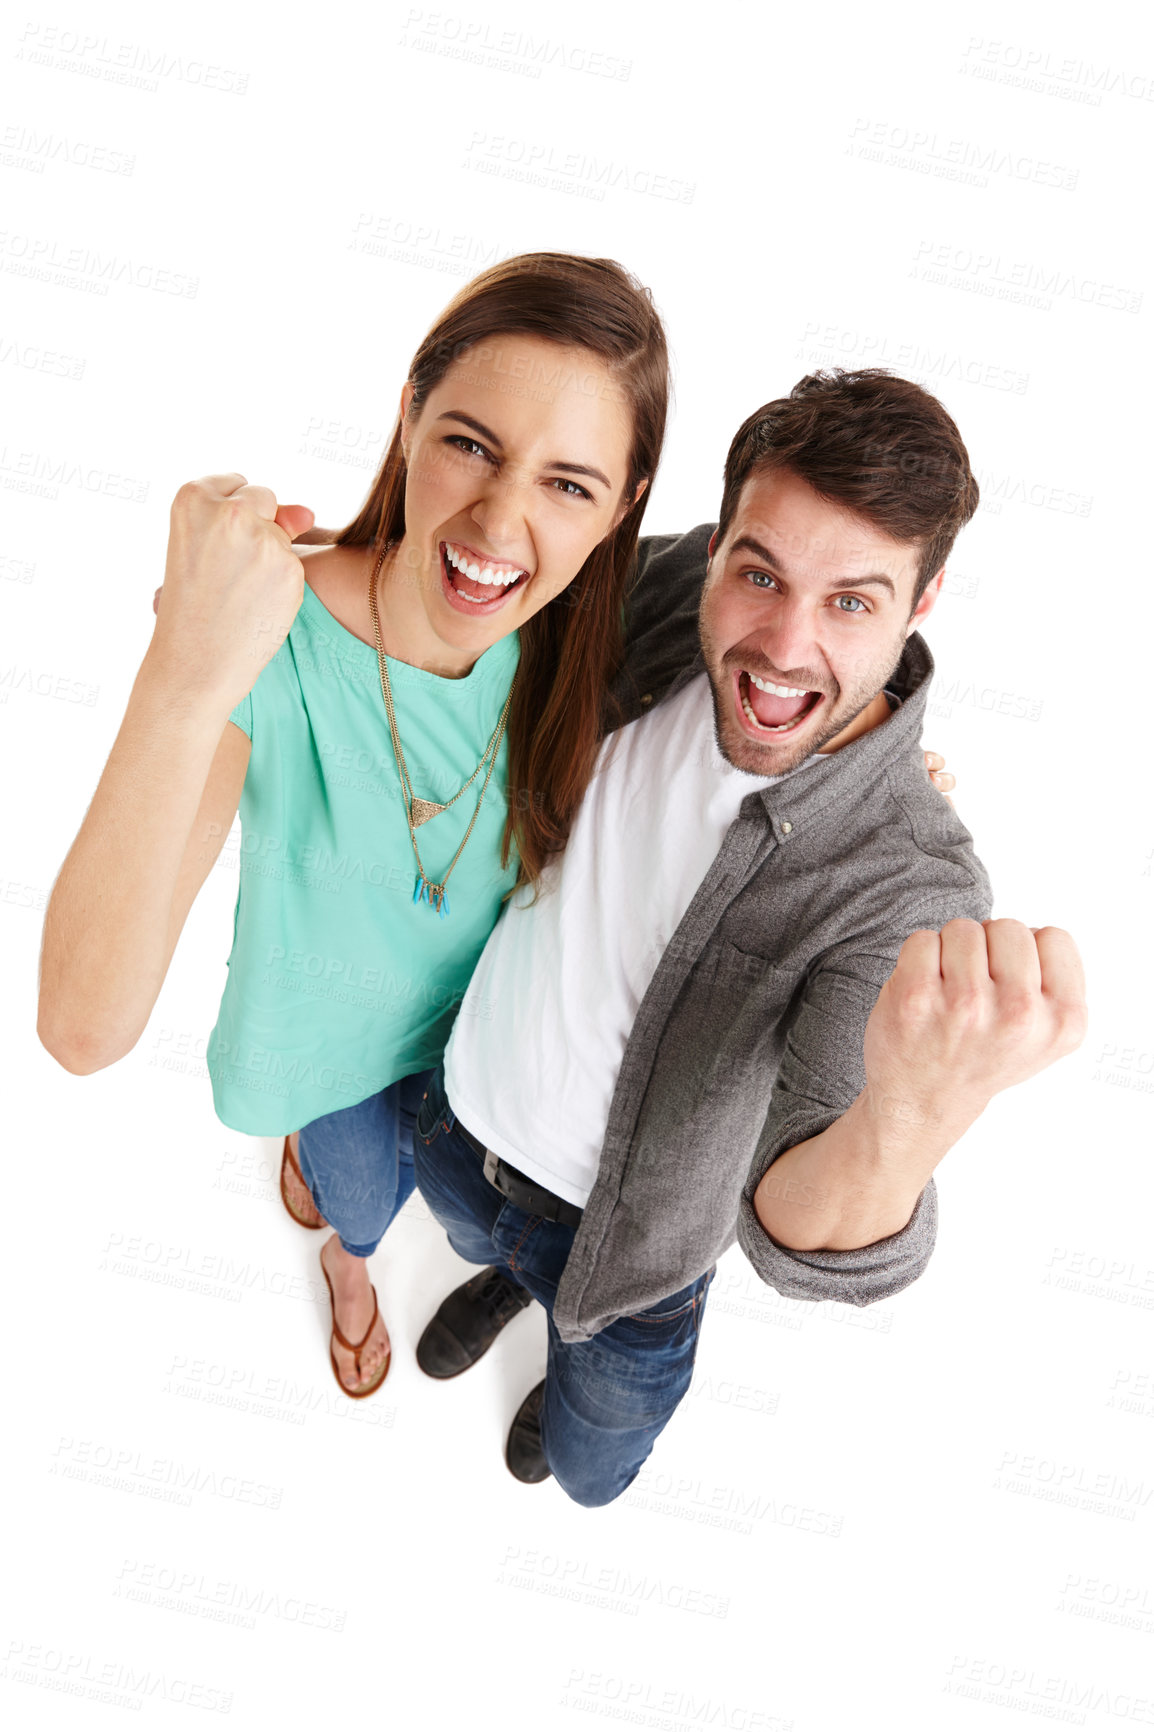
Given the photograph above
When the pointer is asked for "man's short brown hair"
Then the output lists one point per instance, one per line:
(877, 445)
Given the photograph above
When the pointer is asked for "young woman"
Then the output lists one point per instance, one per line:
(407, 718)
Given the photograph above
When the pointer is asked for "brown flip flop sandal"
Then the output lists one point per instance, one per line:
(354, 1347)
(287, 1160)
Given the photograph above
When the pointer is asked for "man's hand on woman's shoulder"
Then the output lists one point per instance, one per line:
(939, 775)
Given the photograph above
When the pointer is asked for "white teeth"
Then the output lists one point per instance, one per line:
(487, 574)
(780, 728)
(776, 691)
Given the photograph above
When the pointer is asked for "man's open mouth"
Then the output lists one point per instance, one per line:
(769, 708)
(475, 579)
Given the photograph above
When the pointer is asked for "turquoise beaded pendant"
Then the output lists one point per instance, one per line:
(433, 894)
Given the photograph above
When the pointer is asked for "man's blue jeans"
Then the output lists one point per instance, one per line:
(606, 1400)
(358, 1162)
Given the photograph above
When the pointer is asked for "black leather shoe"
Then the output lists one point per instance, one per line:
(467, 1323)
(524, 1456)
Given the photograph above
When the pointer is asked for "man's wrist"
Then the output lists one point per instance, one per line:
(907, 1129)
(858, 1181)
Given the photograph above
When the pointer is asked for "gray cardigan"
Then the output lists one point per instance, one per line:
(749, 1038)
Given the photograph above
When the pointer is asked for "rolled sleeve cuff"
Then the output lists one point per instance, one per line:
(860, 1276)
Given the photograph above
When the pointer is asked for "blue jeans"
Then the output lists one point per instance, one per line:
(358, 1162)
(606, 1400)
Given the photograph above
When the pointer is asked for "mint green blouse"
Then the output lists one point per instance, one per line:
(338, 984)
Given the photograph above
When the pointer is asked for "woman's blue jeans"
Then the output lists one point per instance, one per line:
(607, 1399)
(358, 1162)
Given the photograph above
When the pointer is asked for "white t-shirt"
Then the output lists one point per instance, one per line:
(533, 1058)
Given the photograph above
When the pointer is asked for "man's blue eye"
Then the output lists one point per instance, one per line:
(858, 607)
(761, 579)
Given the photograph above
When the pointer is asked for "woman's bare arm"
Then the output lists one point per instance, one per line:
(157, 822)
(171, 787)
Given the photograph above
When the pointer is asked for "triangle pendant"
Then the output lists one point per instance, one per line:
(420, 811)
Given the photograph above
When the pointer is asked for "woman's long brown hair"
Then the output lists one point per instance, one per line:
(572, 647)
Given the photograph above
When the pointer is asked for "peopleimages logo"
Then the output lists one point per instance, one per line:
(543, 164)
(606, 1587)
(113, 1683)
(823, 343)
(642, 1702)
(1002, 1684)
(26, 147)
(31, 358)
(38, 683)
(1028, 67)
(219, 1599)
(42, 474)
(483, 44)
(48, 259)
(158, 1477)
(1021, 281)
(127, 63)
(925, 152)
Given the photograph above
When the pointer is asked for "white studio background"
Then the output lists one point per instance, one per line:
(224, 231)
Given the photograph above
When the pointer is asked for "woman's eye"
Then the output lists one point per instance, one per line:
(571, 489)
(470, 447)
(858, 605)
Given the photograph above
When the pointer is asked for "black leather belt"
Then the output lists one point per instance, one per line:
(524, 1193)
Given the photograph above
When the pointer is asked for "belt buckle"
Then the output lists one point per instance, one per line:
(489, 1168)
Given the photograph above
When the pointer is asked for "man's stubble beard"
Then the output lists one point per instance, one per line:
(772, 760)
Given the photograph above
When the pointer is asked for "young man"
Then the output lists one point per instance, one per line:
(758, 995)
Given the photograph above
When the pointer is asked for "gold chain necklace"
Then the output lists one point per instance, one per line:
(417, 811)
